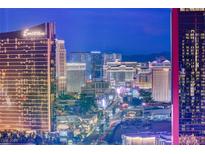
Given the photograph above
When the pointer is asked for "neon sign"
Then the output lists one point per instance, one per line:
(27, 33)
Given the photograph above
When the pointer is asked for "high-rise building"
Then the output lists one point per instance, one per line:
(27, 78)
(120, 72)
(60, 66)
(75, 76)
(96, 65)
(82, 57)
(188, 95)
(161, 81)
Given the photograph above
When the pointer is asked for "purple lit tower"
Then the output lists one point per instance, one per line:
(188, 95)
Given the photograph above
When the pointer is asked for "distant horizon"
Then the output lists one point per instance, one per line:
(144, 57)
(110, 52)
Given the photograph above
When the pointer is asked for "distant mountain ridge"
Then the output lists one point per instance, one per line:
(145, 57)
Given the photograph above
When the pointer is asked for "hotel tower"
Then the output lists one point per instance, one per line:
(188, 80)
(60, 67)
(27, 78)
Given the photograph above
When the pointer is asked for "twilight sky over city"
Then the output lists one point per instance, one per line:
(130, 31)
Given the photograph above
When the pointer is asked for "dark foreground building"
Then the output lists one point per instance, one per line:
(188, 48)
(27, 78)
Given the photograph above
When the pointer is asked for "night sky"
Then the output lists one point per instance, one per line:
(130, 31)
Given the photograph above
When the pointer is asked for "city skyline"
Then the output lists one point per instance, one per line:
(125, 31)
(79, 110)
(97, 97)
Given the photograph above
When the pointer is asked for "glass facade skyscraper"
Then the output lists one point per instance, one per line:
(189, 73)
(96, 65)
(27, 78)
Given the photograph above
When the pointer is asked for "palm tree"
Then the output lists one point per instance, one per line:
(87, 103)
(146, 96)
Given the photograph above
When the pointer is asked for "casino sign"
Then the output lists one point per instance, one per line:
(28, 33)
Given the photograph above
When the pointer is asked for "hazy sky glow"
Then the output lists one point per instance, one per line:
(117, 30)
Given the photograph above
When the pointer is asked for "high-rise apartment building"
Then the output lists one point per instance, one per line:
(27, 78)
(161, 81)
(188, 95)
(60, 66)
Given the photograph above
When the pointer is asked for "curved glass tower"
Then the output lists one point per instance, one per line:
(27, 78)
